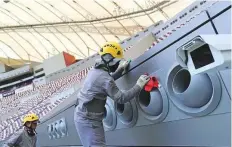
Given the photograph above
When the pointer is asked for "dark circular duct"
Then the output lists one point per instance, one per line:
(127, 113)
(110, 119)
(151, 102)
(195, 95)
(154, 104)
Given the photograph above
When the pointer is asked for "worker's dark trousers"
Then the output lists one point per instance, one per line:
(91, 134)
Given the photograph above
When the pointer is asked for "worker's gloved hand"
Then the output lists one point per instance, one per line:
(123, 65)
(142, 81)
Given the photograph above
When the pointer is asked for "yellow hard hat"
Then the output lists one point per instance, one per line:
(30, 118)
(112, 48)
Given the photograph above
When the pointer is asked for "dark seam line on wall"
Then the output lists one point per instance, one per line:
(224, 84)
(211, 21)
(216, 31)
(180, 38)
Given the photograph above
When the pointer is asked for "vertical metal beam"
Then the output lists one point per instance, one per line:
(73, 29)
(84, 30)
(99, 21)
(144, 11)
(10, 16)
(28, 43)
(8, 58)
(36, 20)
(37, 32)
(22, 38)
(41, 34)
(22, 46)
(82, 39)
(6, 54)
(19, 22)
(16, 42)
(161, 11)
(4, 42)
(127, 15)
(48, 28)
(27, 13)
(87, 34)
(13, 51)
(86, 19)
(112, 16)
(59, 31)
(38, 39)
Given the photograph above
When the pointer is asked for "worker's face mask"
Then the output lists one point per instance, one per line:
(30, 131)
(30, 128)
(114, 67)
(110, 62)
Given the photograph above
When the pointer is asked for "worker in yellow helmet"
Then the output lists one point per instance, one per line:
(27, 136)
(99, 84)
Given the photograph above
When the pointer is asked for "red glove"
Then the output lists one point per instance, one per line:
(152, 83)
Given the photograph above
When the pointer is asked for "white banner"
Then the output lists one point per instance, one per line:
(1, 96)
(23, 89)
(8, 93)
(39, 81)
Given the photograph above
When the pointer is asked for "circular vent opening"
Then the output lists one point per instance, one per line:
(144, 98)
(181, 81)
(151, 103)
(196, 95)
(105, 112)
(120, 108)
(108, 116)
(109, 119)
(126, 113)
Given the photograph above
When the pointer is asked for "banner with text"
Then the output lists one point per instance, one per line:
(8, 93)
(39, 81)
(24, 88)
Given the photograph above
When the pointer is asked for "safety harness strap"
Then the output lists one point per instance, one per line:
(96, 105)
